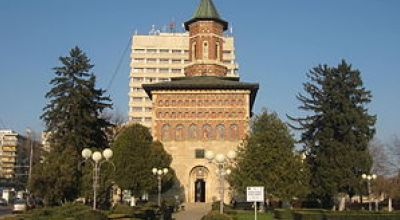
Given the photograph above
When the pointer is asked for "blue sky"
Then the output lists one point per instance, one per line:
(277, 42)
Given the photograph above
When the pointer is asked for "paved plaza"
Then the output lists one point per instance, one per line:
(193, 211)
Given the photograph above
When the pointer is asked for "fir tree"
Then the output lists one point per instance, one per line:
(135, 154)
(337, 133)
(268, 159)
(72, 119)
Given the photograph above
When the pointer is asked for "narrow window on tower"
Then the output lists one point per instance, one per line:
(205, 50)
(217, 53)
(194, 51)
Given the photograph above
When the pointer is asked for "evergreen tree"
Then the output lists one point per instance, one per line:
(337, 133)
(72, 115)
(72, 118)
(135, 154)
(268, 159)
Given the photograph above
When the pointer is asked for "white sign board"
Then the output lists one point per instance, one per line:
(255, 194)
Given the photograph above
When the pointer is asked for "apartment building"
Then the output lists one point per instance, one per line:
(9, 141)
(158, 58)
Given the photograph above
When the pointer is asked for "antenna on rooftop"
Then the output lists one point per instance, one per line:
(172, 26)
(153, 30)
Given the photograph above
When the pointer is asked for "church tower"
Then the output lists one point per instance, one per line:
(206, 30)
(204, 110)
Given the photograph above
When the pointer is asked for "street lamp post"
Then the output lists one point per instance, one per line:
(159, 173)
(96, 159)
(29, 133)
(368, 178)
(221, 161)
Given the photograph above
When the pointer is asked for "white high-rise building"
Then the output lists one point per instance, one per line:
(9, 142)
(158, 58)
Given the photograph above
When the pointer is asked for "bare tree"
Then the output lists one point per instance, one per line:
(382, 164)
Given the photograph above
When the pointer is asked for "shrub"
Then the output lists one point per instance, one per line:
(91, 215)
(215, 206)
(216, 216)
(283, 214)
(123, 209)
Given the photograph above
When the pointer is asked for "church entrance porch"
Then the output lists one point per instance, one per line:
(198, 184)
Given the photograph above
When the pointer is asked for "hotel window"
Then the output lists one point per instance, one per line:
(137, 79)
(137, 109)
(137, 70)
(164, 51)
(164, 61)
(199, 154)
(151, 70)
(138, 60)
(227, 52)
(147, 119)
(176, 61)
(151, 60)
(164, 70)
(148, 109)
(136, 119)
(176, 70)
(139, 50)
(151, 50)
(176, 51)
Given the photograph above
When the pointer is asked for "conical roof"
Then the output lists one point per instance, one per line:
(206, 11)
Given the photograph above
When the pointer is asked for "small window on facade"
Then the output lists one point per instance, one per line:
(205, 50)
(164, 51)
(199, 154)
(217, 51)
(151, 51)
(194, 51)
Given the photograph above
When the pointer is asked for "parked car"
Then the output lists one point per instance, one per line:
(19, 205)
(3, 202)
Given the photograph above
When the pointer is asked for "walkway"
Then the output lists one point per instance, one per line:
(193, 211)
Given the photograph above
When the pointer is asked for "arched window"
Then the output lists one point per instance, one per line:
(165, 132)
(194, 51)
(234, 132)
(220, 132)
(217, 52)
(207, 132)
(205, 50)
(192, 134)
(179, 136)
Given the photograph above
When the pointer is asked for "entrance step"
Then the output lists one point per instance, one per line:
(193, 211)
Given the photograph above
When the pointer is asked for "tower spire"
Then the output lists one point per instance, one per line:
(206, 11)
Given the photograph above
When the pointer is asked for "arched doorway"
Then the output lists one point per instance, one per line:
(198, 184)
(200, 191)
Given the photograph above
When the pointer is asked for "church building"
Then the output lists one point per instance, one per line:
(204, 110)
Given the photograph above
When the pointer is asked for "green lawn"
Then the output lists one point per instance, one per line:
(250, 216)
